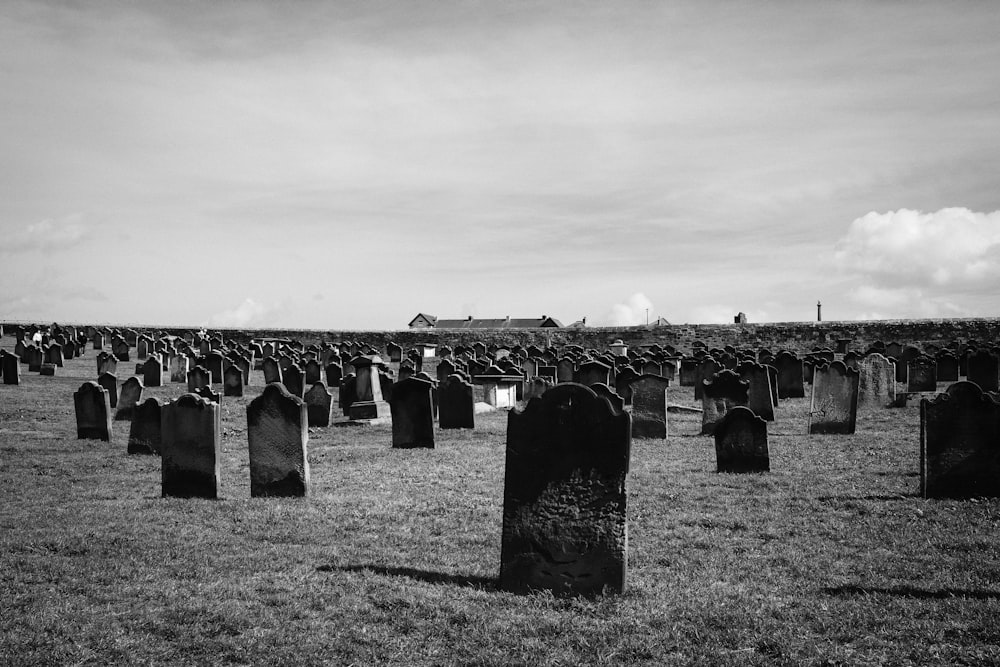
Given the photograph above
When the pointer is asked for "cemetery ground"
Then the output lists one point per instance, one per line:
(832, 558)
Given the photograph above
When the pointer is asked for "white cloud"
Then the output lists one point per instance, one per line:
(902, 302)
(952, 248)
(47, 235)
(248, 313)
(634, 311)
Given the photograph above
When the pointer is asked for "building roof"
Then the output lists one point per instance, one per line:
(496, 323)
(429, 318)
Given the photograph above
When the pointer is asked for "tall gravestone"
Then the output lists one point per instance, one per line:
(190, 447)
(319, 405)
(921, 374)
(947, 367)
(707, 368)
(152, 371)
(232, 381)
(11, 368)
(724, 391)
(564, 513)
(178, 368)
(649, 406)
(144, 433)
(759, 397)
(110, 384)
(272, 370)
(456, 403)
(278, 433)
(313, 372)
(334, 374)
(741, 442)
(412, 413)
(93, 412)
(128, 398)
(876, 382)
(368, 402)
(960, 443)
(790, 377)
(834, 404)
(983, 368)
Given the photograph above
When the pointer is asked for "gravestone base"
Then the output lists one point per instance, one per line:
(178, 482)
(47, 369)
(369, 410)
(363, 422)
(292, 486)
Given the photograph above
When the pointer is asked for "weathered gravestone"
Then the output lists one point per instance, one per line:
(947, 367)
(213, 362)
(334, 374)
(612, 396)
(445, 368)
(272, 370)
(313, 372)
(960, 443)
(537, 386)
(741, 442)
(984, 369)
(368, 402)
(623, 383)
(119, 347)
(565, 370)
(456, 403)
(707, 368)
(790, 384)
(128, 398)
(921, 374)
(292, 378)
(11, 368)
(144, 434)
(877, 382)
(759, 398)
(190, 447)
(93, 412)
(178, 368)
(394, 352)
(197, 378)
(278, 432)
(499, 387)
(649, 406)
(593, 372)
(564, 512)
(319, 405)
(48, 369)
(152, 371)
(834, 404)
(54, 355)
(412, 413)
(724, 391)
(908, 354)
(347, 393)
(232, 381)
(110, 383)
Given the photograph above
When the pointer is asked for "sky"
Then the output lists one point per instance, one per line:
(346, 165)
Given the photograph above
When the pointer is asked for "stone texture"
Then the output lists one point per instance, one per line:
(232, 381)
(11, 369)
(152, 371)
(412, 413)
(741, 442)
(834, 404)
(110, 383)
(719, 395)
(128, 398)
(877, 383)
(144, 433)
(983, 368)
(319, 405)
(278, 433)
(790, 375)
(759, 398)
(960, 443)
(93, 412)
(921, 374)
(368, 402)
(612, 396)
(456, 403)
(190, 447)
(564, 514)
(649, 406)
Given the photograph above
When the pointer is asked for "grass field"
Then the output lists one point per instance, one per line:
(830, 559)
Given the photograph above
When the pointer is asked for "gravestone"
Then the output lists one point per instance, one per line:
(11, 369)
(537, 386)
(412, 413)
(876, 383)
(313, 372)
(759, 398)
(499, 387)
(724, 391)
(197, 378)
(921, 374)
(983, 369)
(190, 447)
(456, 403)
(834, 404)
(48, 369)
(790, 375)
(97, 340)
(110, 384)
(209, 394)
(908, 354)
(649, 406)
(444, 369)
(368, 402)
(178, 368)
(319, 405)
(128, 398)
(612, 396)
(152, 371)
(564, 512)
(394, 352)
(212, 361)
(232, 381)
(119, 348)
(565, 370)
(623, 383)
(960, 443)
(272, 370)
(278, 433)
(741, 442)
(707, 368)
(689, 371)
(93, 412)
(144, 433)
(292, 378)
(947, 367)
(334, 374)
(593, 372)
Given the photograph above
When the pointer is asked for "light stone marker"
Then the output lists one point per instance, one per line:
(649, 406)
(834, 403)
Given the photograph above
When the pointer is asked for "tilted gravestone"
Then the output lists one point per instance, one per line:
(759, 397)
(110, 384)
(741, 442)
(649, 406)
(790, 383)
(197, 378)
(921, 374)
(144, 434)
(190, 447)
(11, 368)
(456, 403)
(412, 413)
(834, 404)
(93, 412)
(319, 405)
(707, 368)
(128, 398)
(876, 382)
(960, 443)
(984, 369)
(564, 513)
(724, 391)
(272, 370)
(278, 433)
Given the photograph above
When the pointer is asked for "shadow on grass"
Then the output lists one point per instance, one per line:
(898, 496)
(466, 581)
(911, 592)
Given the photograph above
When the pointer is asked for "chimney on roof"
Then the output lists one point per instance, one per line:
(469, 318)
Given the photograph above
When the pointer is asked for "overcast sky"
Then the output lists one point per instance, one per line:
(347, 165)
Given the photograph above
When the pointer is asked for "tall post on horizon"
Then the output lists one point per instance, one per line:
(819, 311)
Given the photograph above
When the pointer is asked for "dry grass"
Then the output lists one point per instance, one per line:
(830, 559)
